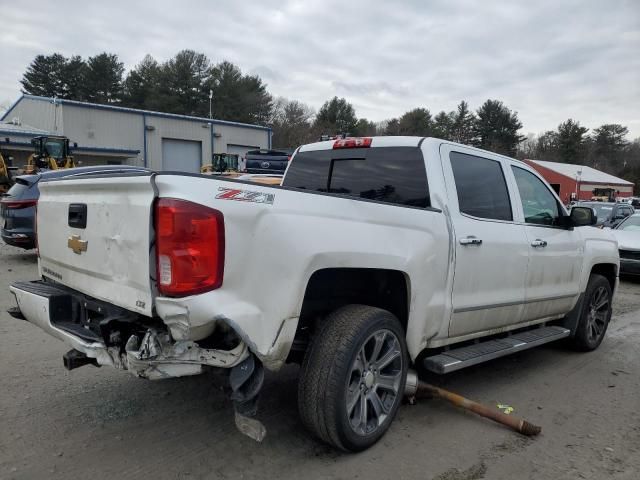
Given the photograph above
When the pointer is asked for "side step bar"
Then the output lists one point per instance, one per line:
(458, 358)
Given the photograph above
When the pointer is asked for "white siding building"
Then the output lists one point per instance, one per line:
(106, 134)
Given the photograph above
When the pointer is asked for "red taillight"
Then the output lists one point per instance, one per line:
(18, 204)
(354, 142)
(189, 247)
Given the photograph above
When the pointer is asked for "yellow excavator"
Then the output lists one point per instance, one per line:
(227, 166)
(5, 176)
(222, 164)
(50, 153)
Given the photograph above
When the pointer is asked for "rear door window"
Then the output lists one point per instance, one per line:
(481, 186)
(395, 175)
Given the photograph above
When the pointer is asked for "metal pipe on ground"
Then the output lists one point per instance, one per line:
(419, 388)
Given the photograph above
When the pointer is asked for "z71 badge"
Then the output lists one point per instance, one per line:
(245, 195)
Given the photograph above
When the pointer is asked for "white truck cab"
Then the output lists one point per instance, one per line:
(374, 256)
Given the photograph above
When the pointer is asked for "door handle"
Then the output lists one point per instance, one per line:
(78, 215)
(470, 240)
(538, 243)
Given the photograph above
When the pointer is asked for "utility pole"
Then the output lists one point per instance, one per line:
(578, 175)
(55, 114)
(210, 99)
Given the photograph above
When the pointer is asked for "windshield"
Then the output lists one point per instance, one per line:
(55, 148)
(223, 162)
(632, 224)
(603, 210)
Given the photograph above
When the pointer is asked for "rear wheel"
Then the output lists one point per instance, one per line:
(595, 316)
(353, 376)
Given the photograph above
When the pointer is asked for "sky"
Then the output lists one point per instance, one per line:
(549, 60)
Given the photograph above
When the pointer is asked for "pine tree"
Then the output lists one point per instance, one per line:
(443, 125)
(496, 128)
(238, 97)
(416, 122)
(463, 125)
(571, 142)
(103, 79)
(142, 85)
(45, 76)
(336, 116)
(74, 76)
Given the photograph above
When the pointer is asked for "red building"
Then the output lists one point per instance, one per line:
(581, 182)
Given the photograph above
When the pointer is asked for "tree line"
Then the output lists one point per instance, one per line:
(493, 126)
(183, 84)
(605, 148)
(180, 85)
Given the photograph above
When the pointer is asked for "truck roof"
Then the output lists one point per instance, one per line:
(65, 172)
(387, 141)
(397, 141)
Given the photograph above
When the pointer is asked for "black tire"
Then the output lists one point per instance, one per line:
(331, 376)
(595, 314)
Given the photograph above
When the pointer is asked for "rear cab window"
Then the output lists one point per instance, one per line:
(394, 175)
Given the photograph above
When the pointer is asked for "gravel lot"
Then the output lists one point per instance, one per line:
(104, 423)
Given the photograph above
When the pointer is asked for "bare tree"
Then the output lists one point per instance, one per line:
(291, 123)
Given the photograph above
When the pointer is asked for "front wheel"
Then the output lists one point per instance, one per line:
(595, 315)
(353, 377)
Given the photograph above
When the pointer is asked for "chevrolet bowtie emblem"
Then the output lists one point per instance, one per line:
(78, 246)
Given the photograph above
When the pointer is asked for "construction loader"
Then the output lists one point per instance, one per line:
(49, 153)
(5, 176)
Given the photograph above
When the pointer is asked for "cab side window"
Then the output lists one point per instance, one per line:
(482, 189)
(539, 205)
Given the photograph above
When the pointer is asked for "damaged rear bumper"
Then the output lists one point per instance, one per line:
(114, 336)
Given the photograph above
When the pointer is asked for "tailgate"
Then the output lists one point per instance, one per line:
(108, 258)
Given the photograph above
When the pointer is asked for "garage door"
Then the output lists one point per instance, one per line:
(181, 155)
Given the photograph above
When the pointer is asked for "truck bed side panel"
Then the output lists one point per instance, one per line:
(273, 248)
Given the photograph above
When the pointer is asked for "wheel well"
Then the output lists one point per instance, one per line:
(607, 270)
(332, 288)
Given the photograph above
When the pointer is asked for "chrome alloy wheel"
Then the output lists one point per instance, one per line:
(374, 384)
(599, 306)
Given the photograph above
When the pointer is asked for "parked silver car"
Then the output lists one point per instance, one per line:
(627, 233)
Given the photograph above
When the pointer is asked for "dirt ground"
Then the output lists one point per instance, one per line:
(103, 423)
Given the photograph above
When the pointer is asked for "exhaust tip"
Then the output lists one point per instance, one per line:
(411, 385)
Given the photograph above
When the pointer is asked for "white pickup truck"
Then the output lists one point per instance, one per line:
(374, 256)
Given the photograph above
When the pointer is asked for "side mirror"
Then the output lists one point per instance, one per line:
(582, 216)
